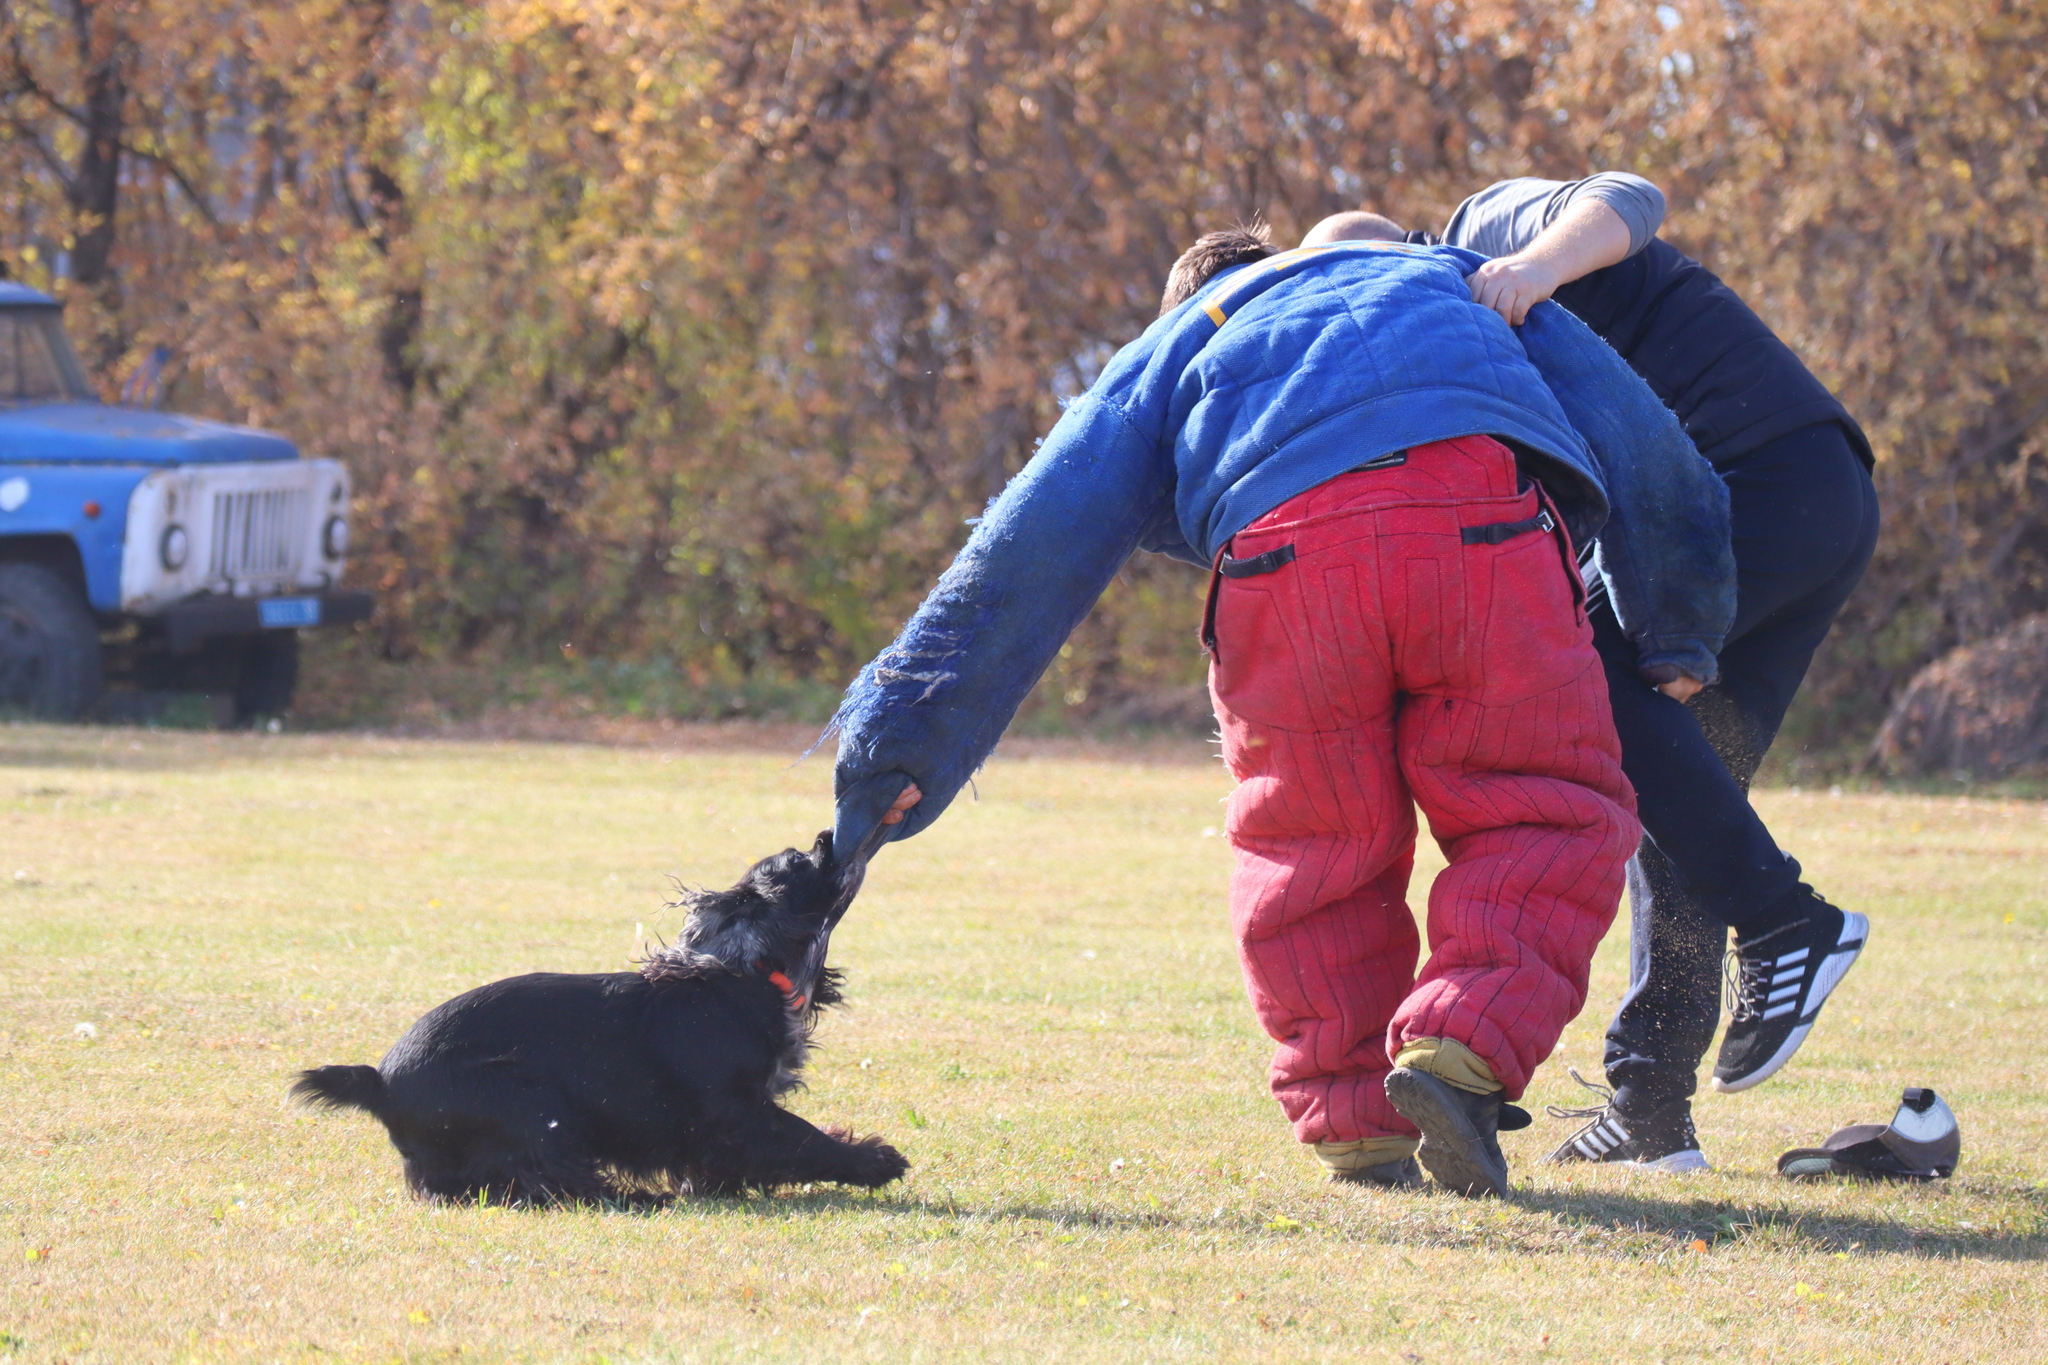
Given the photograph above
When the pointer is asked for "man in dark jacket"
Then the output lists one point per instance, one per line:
(1804, 522)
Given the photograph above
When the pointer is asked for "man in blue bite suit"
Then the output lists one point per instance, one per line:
(1804, 523)
(1368, 463)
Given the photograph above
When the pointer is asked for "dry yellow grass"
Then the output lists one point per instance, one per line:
(1045, 1015)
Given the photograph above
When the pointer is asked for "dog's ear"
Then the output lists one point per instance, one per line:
(689, 899)
(821, 851)
(828, 989)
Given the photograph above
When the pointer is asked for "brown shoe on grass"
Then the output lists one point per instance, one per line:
(1459, 1147)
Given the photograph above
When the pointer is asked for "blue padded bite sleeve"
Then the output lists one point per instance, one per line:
(933, 704)
(1665, 551)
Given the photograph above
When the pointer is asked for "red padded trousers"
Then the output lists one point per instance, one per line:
(1388, 664)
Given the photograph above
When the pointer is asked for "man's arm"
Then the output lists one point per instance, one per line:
(1543, 234)
(1587, 236)
(930, 708)
(1665, 550)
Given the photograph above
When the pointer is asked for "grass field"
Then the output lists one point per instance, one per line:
(1045, 1015)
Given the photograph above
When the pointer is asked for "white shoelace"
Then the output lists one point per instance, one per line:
(1764, 987)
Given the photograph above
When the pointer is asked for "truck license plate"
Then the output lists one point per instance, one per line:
(287, 613)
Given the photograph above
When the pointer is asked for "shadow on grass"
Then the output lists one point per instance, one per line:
(1782, 1224)
(1536, 1221)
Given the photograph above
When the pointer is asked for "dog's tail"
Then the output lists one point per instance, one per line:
(341, 1087)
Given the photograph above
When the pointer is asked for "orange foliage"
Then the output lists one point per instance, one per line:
(696, 329)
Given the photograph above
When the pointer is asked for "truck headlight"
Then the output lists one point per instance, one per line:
(334, 537)
(174, 548)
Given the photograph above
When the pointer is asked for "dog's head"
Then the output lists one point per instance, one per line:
(778, 921)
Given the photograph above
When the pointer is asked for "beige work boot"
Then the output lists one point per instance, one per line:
(1387, 1162)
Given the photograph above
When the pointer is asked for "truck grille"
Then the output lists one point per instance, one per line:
(258, 534)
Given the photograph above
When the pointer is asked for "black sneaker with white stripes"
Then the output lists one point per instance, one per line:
(1777, 983)
(1662, 1141)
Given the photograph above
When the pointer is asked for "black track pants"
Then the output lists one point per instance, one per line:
(1804, 517)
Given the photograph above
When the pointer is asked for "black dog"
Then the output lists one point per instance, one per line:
(557, 1087)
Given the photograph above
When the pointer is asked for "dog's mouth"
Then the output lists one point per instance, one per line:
(801, 986)
(814, 962)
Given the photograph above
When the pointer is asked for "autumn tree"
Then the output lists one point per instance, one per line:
(698, 329)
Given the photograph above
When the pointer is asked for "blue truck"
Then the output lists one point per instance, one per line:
(166, 553)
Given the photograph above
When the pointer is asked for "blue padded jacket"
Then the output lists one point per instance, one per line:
(1276, 377)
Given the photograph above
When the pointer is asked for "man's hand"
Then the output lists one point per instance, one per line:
(1585, 237)
(910, 796)
(1678, 689)
(1512, 285)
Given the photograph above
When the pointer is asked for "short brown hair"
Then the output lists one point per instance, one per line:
(1213, 252)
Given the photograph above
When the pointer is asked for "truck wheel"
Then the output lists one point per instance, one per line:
(49, 646)
(269, 675)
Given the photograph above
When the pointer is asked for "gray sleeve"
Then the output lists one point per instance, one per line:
(1506, 216)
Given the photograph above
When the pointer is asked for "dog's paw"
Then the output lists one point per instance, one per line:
(876, 1163)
